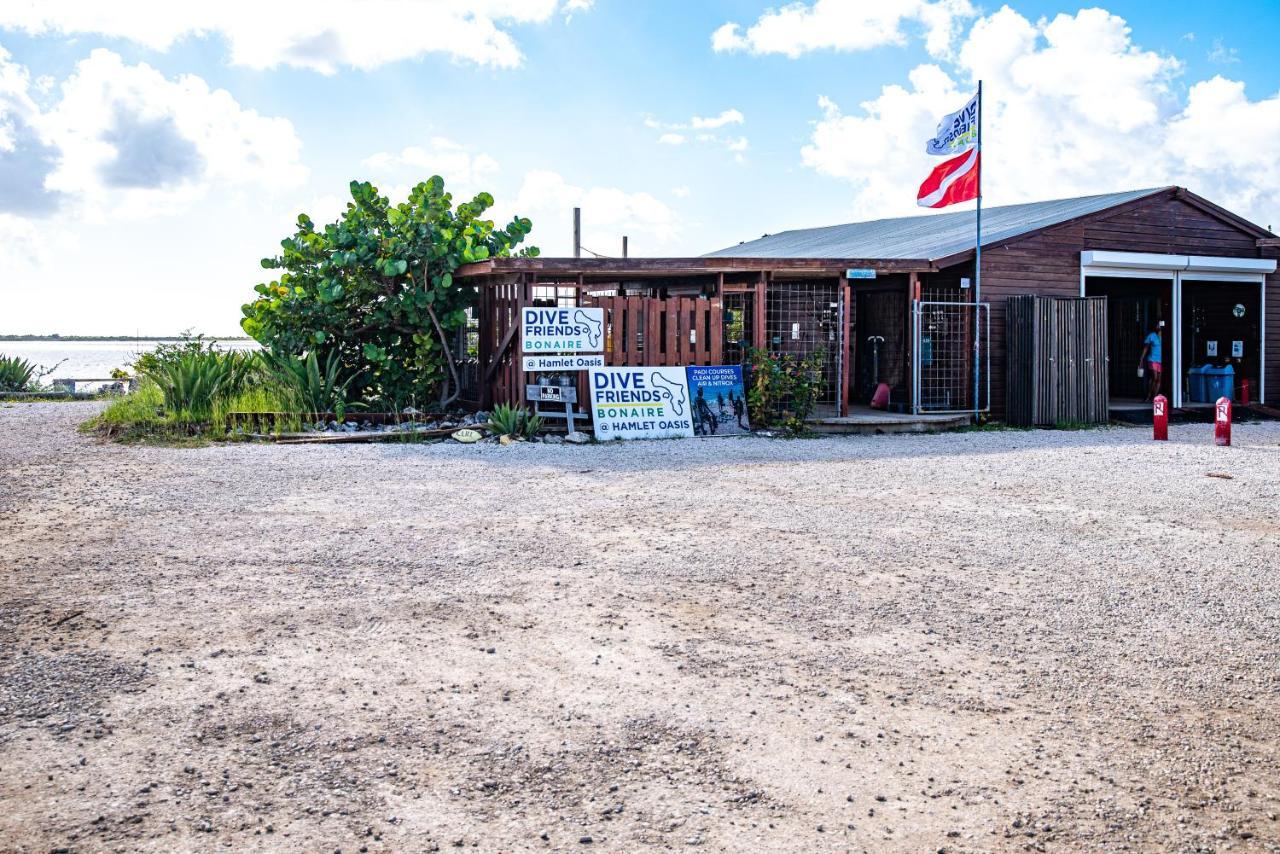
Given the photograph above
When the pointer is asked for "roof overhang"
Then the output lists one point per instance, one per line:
(1101, 259)
(613, 269)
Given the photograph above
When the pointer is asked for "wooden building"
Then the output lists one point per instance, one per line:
(895, 301)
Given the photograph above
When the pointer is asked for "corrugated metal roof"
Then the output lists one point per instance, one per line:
(926, 237)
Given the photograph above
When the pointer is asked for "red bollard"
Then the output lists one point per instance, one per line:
(1222, 422)
(1160, 418)
(1245, 388)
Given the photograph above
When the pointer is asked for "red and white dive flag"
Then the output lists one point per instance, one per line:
(951, 182)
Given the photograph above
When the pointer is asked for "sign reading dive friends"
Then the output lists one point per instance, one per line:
(640, 403)
(562, 330)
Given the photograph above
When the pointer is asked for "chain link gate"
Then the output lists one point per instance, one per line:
(948, 340)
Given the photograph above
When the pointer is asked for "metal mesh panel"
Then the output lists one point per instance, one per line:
(944, 343)
(559, 296)
(803, 318)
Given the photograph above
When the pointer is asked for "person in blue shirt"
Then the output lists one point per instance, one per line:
(1151, 357)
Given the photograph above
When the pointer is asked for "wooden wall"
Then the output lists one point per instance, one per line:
(1048, 263)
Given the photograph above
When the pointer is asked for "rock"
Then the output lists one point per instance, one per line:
(553, 440)
(577, 437)
(410, 411)
(467, 436)
(505, 440)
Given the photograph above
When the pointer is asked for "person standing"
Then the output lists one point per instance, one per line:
(1152, 353)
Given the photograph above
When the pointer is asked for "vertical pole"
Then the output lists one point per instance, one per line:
(577, 230)
(624, 246)
(977, 267)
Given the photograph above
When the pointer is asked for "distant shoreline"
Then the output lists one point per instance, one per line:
(119, 337)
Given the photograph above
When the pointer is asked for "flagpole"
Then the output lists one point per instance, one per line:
(977, 269)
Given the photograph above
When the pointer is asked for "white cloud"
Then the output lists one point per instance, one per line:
(1222, 54)
(799, 27)
(133, 139)
(322, 35)
(706, 125)
(443, 157)
(1072, 106)
(608, 213)
(728, 117)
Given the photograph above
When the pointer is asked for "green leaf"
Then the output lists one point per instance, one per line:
(318, 337)
(401, 266)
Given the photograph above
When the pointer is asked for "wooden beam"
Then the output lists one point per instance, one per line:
(846, 355)
(759, 340)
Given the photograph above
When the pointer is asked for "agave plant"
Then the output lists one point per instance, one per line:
(195, 381)
(315, 388)
(15, 373)
(507, 420)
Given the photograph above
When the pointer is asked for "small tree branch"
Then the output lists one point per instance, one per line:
(445, 400)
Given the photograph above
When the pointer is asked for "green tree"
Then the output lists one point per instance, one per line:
(377, 288)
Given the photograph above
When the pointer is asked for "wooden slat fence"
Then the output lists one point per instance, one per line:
(672, 332)
(1057, 360)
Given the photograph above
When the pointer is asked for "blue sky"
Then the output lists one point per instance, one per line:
(149, 156)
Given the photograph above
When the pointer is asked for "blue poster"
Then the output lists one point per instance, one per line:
(719, 401)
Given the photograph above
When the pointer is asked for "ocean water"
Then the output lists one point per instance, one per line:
(92, 359)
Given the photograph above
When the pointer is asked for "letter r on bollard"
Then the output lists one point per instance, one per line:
(1222, 422)
(1160, 418)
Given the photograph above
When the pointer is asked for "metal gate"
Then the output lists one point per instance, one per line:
(950, 356)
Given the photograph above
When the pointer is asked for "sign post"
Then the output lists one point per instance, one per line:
(1160, 418)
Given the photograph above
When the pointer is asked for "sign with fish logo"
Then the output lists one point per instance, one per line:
(641, 403)
(562, 330)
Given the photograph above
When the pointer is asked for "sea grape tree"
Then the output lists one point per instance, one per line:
(377, 289)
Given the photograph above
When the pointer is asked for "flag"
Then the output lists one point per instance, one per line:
(957, 132)
(953, 181)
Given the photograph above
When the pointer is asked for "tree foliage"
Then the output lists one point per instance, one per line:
(376, 288)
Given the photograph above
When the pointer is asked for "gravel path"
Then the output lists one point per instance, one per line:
(982, 641)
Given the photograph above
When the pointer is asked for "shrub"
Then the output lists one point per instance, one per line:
(311, 388)
(376, 287)
(15, 373)
(783, 388)
(192, 383)
(506, 420)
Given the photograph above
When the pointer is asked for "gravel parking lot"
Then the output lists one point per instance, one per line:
(975, 641)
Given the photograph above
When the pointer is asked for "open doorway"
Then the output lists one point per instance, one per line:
(1134, 307)
(1221, 327)
(879, 345)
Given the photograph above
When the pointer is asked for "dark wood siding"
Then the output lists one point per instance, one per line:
(1048, 263)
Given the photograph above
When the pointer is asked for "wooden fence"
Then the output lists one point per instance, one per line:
(671, 332)
(1057, 360)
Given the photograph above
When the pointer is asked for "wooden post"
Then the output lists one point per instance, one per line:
(759, 338)
(577, 232)
(913, 294)
(846, 361)
(624, 246)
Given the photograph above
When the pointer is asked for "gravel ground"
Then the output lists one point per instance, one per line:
(981, 641)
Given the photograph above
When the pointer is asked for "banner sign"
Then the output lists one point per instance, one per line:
(719, 400)
(563, 363)
(860, 273)
(640, 403)
(562, 330)
(957, 132)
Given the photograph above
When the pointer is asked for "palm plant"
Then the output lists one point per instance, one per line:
(316, 389)
(15, 373)
(194, 382)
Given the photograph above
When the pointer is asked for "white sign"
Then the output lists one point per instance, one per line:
(563, 363)
(1211, 348)
(562, 330)
(1237, 349)
(641, 403)
(957, 132)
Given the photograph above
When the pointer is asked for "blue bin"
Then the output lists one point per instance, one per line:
(1220, 382)
(1196, 389)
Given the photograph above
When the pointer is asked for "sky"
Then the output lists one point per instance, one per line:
(151, 153)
